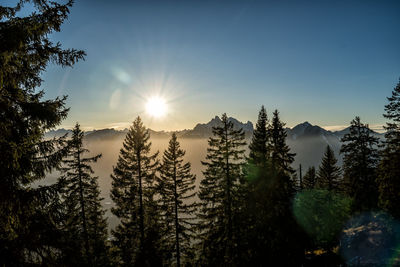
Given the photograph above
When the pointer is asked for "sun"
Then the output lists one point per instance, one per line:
(156, 106)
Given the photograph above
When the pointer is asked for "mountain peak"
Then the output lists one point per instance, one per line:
(205, 129)
(307, 129)
(302, 126)
(216, 119)
(306, 123)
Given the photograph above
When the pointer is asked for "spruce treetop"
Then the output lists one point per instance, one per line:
(280, 152)
(359, 145)
(392, 113)
(310, 178)
(359, 165)
(259, 143)
(389, 171)
(329, 172)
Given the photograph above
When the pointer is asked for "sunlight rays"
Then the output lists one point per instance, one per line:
(156, 107)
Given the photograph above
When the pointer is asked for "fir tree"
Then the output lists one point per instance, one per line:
(224, 163)
(133, 189)
(84, 213)
(28, 214)
(389, 170)
(359, 165)
(281, 158)
(177, 186)
(328, 173)
(310, 178)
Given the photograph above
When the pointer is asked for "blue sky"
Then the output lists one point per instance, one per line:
(318, 61)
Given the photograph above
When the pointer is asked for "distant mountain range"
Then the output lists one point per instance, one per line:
(306, 140)
(201, 130)
(309, 143)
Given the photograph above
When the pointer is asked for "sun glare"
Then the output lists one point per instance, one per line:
(156, 106)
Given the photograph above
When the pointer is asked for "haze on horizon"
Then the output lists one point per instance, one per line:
(319, 61)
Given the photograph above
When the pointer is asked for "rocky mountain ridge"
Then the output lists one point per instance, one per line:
(204, 130)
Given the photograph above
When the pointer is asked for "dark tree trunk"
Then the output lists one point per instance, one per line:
(83, 211)
(178, 256)
(140, 202)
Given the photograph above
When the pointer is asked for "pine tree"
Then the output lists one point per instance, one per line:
(224, 163)
(27, 214)
(281, 158)
(177, 186)
(328, 173)
(389, 170)
(310, 178)
(359, 165)
(133, 190)
(84, 213)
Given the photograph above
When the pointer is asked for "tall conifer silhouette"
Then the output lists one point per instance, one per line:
(224, 163)
(281, 158)
(389, 170)
(177, 185)
(282, 237)
(328, 172)
(360, 160)
(258, 184)
(259, 153)
(133, 189)
(28, 214)
(83, 211)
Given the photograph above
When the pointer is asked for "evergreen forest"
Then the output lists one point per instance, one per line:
(250, 209)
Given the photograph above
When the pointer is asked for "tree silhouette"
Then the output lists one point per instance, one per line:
(328, 172)
(259, 153)
(84, 215)
(389, 170)
(28, 214)
(224, 163)
(310, 178)
(281, 158)
(177, 186)
(133, 189)
(359, 165)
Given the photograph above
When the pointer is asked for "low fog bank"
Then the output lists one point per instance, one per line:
(195, 152)
(309, 153)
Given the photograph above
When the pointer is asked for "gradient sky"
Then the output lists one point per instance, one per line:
(318, 61)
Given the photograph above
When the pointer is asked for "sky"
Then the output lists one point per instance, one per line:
(324, 62)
